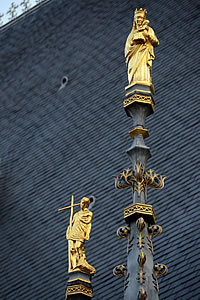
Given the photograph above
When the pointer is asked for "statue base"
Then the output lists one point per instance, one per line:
(139, 92)
(79, 286)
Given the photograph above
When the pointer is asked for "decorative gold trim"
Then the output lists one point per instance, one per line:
(141, 131)
(142, 294)
(154, 180)
(140, 209)
(141, 262)
(140, 225)
(126, 177)
(79, 289)
(72, 280)
(139, 179)
(138, 98)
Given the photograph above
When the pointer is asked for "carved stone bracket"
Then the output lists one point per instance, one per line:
(155, 230)
(123, 231)
(119, 270)
(160, 270)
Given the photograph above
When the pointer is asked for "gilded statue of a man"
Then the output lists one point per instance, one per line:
(139, 51)
(77, 233)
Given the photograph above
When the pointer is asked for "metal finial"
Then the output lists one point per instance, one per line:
(12, 11)
(26, 5)
(1, 21)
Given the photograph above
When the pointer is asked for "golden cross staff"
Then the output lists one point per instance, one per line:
(92, 202)
(70, 226)
(70, 205)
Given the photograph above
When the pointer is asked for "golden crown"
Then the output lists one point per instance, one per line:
(141, 12)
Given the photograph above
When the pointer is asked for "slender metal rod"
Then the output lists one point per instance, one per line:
(70, 228)
(67, 207)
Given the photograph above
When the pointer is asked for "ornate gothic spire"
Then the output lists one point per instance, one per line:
(140, 271)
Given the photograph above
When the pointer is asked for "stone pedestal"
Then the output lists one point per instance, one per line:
(79, 286)
(138, 104)
(142, 95)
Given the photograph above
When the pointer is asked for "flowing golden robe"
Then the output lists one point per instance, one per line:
(81, 226)
(139, 54)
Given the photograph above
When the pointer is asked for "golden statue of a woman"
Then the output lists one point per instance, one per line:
(139, 50)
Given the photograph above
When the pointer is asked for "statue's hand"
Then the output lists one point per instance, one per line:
(145, 33)
(131, 43)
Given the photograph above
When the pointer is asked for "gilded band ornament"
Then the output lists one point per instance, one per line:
(76, 289)
(138, 98)
(139, 49)
(138, 210)
(77, 233)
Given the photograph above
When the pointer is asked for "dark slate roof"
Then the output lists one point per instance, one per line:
(56, 142)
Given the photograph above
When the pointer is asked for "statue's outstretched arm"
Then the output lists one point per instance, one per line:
(87, 219)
